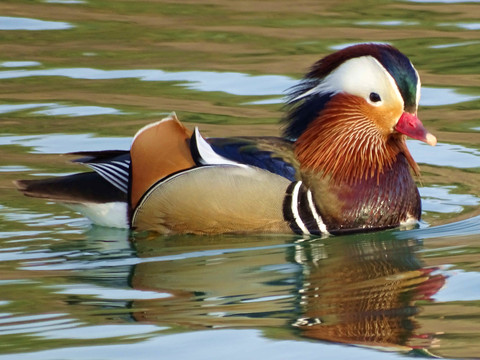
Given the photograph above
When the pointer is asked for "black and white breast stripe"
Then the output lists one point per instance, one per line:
(115, 172)
(300, 211)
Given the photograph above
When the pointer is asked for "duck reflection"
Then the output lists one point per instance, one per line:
(221, 281)
(359, 290)
(364, 292)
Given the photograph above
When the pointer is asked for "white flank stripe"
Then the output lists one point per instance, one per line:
(318, 218)
(296, 215)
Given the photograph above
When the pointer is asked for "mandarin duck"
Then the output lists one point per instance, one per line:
(341, 166)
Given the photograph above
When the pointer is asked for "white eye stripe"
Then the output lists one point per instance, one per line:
(359, 76)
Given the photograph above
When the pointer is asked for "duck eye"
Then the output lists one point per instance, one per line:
(374, 97)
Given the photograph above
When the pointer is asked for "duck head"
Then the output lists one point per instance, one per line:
(351, 113)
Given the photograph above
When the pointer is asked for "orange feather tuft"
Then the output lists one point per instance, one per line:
(158, 150)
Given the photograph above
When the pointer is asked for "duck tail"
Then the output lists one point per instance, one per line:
(76, 188)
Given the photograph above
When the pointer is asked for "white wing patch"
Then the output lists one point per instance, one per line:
(206, 155)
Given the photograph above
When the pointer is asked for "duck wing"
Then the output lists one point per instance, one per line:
(180, 184)
(269, 153)
(111, 165)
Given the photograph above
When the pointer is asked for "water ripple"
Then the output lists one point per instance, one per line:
(34, 323)
(233, 83)
(108, 293)
(101, 331)
(467, 227)
(64, 1)
(20, 23)
(443, 154)
(461, 286)
(72, 111)
(7, 108)
(62, 143)
(440, 199)
(228, 343)
(15, 64)
(63, 264)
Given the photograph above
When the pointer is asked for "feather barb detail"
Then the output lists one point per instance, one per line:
(346, 145)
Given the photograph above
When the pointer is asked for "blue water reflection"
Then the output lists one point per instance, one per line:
(108, 293)
(445, 46)
(443, 154)
(20, 23)
(442, 199)
(72, 111)
(388, 23)
(229, 343)
(65, 1)
(462, 286)
(63, 143)
(7, 108)
(53, 109)
(233, 83)
(464, 26)
(16, 64)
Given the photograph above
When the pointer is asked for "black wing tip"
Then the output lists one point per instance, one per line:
(87, 187)
(34, 188)
(21, 185)
(97, 156)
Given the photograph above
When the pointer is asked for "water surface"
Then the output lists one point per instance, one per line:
(85, 75)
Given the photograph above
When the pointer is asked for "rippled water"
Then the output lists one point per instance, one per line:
(85, 75)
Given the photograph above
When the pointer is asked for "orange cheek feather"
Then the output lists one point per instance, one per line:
(384, 117)
(350, 140)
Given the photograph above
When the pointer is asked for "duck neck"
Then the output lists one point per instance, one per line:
(359, 178)
(382, 201)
